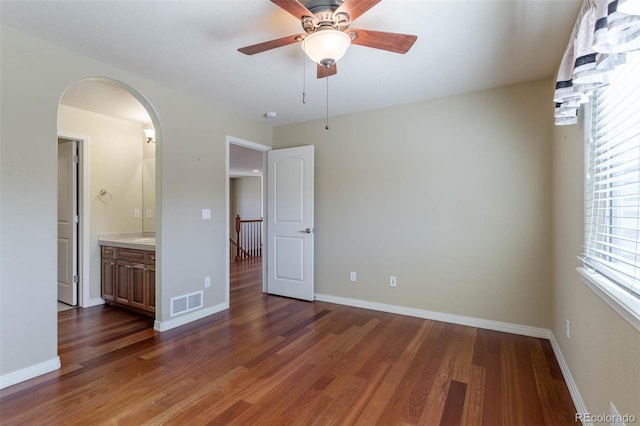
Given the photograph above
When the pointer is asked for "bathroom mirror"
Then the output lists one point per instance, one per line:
(149, 179)
(149, 194)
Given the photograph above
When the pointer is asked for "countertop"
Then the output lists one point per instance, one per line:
(136, 241)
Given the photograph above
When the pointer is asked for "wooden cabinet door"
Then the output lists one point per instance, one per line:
(128, 277)
(108, 279)
(138, 295)
(123, 281)
(150, 287)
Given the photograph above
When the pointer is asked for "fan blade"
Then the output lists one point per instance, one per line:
(294, 7)
(355, 8)
(393, 42)
(271, 44)
(327, 72)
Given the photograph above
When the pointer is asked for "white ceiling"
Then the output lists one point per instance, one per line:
(244, 161)
(462, 46)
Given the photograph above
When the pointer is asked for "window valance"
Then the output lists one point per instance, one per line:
(604, 32)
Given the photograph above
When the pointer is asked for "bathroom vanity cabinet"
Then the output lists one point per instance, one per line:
(128, 278)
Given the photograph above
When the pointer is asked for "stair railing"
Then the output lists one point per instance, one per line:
(248, 238)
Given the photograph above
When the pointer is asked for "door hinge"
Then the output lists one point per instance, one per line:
(76, 158)
(76, 218)
(75, 279)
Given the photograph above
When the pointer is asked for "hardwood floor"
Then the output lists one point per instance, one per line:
(273, 360)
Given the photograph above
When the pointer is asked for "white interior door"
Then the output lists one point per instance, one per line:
(67, 222)
(290, 222)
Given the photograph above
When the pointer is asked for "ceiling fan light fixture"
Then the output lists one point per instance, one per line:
(326, 46)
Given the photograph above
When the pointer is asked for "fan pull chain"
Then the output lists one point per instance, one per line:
(304, 79)
(326, 127)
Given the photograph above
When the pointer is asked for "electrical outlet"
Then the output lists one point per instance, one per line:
(207, 282)
(206, 214)
(568, 329)
(393, 281)
(353, 276)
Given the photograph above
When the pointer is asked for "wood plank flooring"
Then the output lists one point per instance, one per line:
(273, 361)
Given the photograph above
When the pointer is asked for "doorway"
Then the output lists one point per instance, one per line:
(108, 115)
(245, 197)
(68, 222)
(288, 234)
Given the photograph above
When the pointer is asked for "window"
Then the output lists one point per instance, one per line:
(611, 257)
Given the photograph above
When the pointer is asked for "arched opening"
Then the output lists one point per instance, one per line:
(108, 135)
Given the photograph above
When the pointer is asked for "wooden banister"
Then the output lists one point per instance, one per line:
(248, 238)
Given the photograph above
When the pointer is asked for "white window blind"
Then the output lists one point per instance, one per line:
(612, 182)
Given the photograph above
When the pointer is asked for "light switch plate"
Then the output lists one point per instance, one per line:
(206, 214)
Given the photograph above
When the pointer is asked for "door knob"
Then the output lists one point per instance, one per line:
(306, 231)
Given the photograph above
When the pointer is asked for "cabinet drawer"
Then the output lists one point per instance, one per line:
(108, 252)
(131, 254)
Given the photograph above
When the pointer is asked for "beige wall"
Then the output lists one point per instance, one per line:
(115, 164)
(603, 352)
(247, 197)
(191, 153)
(452, 196)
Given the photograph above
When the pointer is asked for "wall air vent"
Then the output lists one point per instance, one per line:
(186, 303)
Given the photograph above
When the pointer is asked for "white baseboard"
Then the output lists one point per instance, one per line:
(438, 316)
(189, 317)
(568, 378)
(27, 373)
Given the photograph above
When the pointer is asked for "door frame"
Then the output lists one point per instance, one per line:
(84, 257)
(230, 140)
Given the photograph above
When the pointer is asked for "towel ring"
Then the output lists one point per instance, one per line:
(105, 196)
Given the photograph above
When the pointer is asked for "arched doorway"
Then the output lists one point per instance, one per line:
(115, 189)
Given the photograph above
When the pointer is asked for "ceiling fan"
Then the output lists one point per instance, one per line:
(328, 34)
